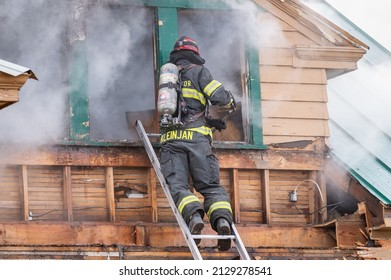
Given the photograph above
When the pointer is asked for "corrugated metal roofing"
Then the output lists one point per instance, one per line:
(14, 69)
(368, 163)
(360, 119)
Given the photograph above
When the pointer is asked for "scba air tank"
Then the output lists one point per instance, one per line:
(167, 97)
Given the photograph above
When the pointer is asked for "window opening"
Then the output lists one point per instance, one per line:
(120, 52)
(220, 39)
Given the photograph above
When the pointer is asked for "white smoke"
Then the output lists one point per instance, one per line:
(38, 35)
(33, 35)
(120, 69)
(359, 107)
(223, 35)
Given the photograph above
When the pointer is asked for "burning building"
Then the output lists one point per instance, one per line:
(75, 182)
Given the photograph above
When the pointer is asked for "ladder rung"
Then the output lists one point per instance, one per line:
(213, 236)
(154, 134)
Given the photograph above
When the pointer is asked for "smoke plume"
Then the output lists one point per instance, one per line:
(33, 35)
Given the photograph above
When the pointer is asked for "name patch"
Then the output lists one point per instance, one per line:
(177, 135)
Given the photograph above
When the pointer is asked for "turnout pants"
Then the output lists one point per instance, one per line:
(180, 159)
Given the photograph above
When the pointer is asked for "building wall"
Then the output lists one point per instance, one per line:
(294, 100)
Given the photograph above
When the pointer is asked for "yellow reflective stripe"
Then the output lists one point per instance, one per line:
(192, 93)
(219, 205)
(186, 200)
(211, 87)
(202, 129)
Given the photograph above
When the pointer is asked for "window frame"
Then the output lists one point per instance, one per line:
(166, 32)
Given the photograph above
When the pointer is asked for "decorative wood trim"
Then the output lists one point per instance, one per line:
(9, 88)
(310, 23)
(326, 57)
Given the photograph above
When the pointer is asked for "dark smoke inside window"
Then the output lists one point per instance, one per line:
(120, 69)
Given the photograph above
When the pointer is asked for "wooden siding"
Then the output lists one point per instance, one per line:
(45, 192)
(10, 193)
(137, 208)
(89, 194)
(282, 210)
(250, 196)
(88, 198)
(294, 100)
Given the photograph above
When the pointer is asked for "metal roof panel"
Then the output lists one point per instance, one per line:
(14, 69)
(363, 165)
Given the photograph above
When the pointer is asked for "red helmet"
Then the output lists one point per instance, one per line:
(186, 43)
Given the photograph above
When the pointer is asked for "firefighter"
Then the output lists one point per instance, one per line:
(188, 150)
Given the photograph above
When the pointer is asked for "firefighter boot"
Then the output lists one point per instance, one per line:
(223, 228)
(196, 225)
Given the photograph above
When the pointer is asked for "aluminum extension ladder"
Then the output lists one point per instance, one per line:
(181, 222)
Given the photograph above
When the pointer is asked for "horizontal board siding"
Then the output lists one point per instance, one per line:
(276, 56)
(45, 192)
(295, 127)
(289, 75)
(132, 208)
(89, 194)
(250, 196)
(294, 92)
(283, 211)
(294, 110)
(164, 211)
(10, 198)
(294, 99)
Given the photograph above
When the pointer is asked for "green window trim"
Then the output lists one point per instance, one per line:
(167, 27)
(167, 33)
(79, 120)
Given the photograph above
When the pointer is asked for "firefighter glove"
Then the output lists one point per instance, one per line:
(216, 123)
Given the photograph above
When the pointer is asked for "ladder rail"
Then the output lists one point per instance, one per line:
(156, 165)
(181, 222)
(240, 245)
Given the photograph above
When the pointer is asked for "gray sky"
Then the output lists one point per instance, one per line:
(372, 16)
